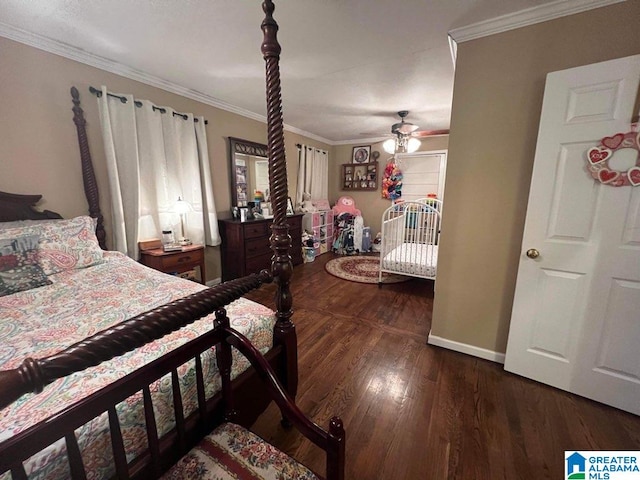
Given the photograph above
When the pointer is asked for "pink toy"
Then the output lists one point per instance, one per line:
(345, 204)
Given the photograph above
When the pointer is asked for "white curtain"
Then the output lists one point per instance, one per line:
(313, 173)
(152, 159)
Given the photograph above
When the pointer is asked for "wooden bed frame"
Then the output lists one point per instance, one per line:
(249, 392)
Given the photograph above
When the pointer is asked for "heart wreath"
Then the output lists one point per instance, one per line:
(598, 160)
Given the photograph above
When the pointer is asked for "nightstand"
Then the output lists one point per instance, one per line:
(181, 261)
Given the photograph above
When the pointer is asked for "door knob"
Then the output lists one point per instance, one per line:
(533, 253)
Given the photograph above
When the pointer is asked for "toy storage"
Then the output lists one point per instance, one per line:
(320, 225)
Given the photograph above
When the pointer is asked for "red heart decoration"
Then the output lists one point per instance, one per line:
(619, 182)
(598, 154)
(634, 176)
(605, 175)
(613, 142)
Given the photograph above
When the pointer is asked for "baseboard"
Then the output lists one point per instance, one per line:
(466, 348)
(213, 282)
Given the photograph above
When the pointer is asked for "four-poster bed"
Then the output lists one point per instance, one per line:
(241, 395)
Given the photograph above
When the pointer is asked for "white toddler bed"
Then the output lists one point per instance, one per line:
(410, 232)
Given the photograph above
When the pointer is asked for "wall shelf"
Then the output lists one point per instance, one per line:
(359, 176)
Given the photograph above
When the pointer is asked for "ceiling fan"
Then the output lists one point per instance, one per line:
(406, 128)
(406, 136)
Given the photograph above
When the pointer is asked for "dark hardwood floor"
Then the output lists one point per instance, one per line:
(414, 411)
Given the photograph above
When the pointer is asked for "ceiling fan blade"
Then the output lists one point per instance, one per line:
(430, 133)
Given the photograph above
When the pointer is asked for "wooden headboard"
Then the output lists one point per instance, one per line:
(21, 207)
(14, 206)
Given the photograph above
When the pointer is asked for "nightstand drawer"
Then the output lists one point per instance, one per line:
(190, 257)
(182, 259)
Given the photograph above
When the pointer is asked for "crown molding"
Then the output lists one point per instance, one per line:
(361, 141)
(73, 53)
(529, 16)
(453, 49)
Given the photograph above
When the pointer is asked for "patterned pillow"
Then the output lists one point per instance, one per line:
(23, 223)
(64, 244)
(19, 269)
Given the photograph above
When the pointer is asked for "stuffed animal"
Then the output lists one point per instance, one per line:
(345, 204)
(307, 205)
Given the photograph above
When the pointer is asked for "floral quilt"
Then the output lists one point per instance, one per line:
(82, 302)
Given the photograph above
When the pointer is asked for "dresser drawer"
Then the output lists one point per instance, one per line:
(258, 229)
(255, 264)
(254, 247)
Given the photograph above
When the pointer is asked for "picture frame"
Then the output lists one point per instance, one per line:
(361, 154)
(290, 210)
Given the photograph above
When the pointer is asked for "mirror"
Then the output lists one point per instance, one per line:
(249, 170)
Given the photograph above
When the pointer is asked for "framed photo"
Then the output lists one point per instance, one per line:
(289, 206)
(361, 154)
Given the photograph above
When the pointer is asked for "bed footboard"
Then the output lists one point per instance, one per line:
(162, 452)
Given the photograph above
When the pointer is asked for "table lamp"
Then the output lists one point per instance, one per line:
(182, 207)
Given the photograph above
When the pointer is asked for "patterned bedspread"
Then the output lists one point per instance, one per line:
(82, 302)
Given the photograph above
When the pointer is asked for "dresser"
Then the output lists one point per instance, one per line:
(246, 249)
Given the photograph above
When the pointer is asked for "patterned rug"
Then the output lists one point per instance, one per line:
(360, 269)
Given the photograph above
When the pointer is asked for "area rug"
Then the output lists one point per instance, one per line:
(360, 269)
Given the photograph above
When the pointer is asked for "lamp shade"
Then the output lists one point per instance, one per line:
(182, 207)
(412, 145)
(389, 145)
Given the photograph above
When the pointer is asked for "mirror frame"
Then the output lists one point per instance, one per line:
(245, 147)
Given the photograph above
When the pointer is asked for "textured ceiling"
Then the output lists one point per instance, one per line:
(347, 65)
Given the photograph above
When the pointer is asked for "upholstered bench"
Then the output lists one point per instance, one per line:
(233, 452)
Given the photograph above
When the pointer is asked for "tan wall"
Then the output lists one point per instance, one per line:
(371, 203)
(498, 91)
(38, 143)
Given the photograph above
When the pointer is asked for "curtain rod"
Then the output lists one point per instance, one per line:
(299, 145)
(137, 103)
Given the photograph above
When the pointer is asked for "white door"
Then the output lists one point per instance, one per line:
(576, 316)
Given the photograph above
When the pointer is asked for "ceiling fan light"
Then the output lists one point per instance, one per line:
(412, 145)
(389, 145)
(405, 128)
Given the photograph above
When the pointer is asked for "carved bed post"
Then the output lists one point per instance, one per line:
(281, 265)
(88, 175)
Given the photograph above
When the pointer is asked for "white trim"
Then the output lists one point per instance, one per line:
(466, 348)
(361, 141)
(64, 50)
(529, 16)
(214, 282)
(453, 48)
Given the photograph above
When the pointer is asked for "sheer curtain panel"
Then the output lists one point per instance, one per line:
(154, 157)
